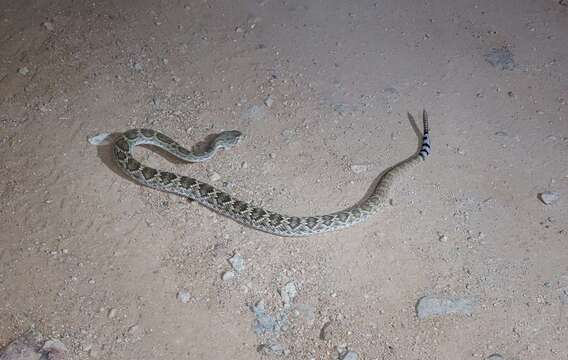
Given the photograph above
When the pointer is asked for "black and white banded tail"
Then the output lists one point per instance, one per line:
(425, 149)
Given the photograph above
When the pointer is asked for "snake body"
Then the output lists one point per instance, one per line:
(240, 211)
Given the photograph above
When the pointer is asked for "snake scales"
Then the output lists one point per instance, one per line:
(240, 211)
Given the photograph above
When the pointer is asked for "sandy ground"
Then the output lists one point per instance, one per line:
(321, 89)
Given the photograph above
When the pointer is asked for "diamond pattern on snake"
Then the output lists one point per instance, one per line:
(240, 211)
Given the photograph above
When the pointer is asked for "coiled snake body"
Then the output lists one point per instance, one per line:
(240, 211)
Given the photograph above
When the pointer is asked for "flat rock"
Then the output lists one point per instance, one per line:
(237, 263)
(500, 58)
(184, 296)
(288, 292)
(228, 275)
(359, 169)
(349, 355)
(549, 197)
(432, 306)
(495, 357)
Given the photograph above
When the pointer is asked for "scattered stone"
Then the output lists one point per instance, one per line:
(442, 238)
(54, 349)
(99, 139)
(184, 296)
(495, 357)
(306, 312)
(563, 295)
(391, 94)
(432, 306)
(359, 169)
(253, 112)
(268, 101)
(549, 197)
(237, 263)
(215, 177)
(48, 26)
(288, 292)
(138, 66)
(244, 165)
(274, 348)
(349, 355)
(23, 348)
(264, 323)
(500, 58)
(327, 331)
(228, 275)
(134, 330)
(343, 109)
(23, 71)
(111, 313)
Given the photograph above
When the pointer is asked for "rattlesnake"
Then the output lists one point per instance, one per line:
(240, 211)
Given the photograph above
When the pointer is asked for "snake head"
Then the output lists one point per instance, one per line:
(227, 139)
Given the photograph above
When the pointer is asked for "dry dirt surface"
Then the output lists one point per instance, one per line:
(469, 260)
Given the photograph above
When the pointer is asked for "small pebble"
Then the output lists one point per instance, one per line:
(228, 275)
(215, 177)
(138, 67)
(495, 357)
(48, 26)
(306, 312)
(111, 313)
(549, 197)
(327, 331)
(237, 263)
(268, 101)
(133, 329)
(244, 165)
(359, 169)
(443, 238)
(349, 355)
(500, 58)
(184, 296)
(288, 292)
(23, 71)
